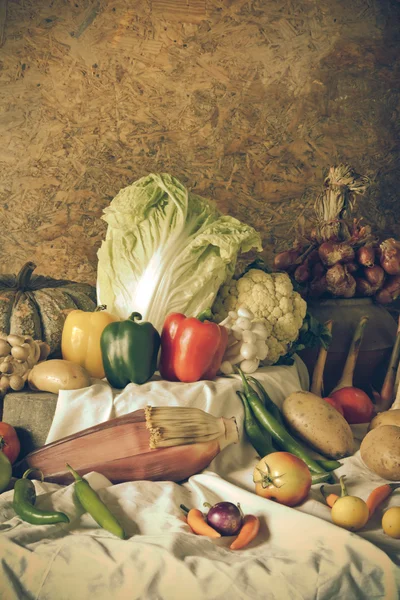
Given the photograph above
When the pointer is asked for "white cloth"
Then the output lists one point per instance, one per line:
(298, 554)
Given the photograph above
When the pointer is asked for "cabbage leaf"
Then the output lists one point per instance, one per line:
(166, 250)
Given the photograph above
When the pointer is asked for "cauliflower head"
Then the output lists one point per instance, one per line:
(271, 298)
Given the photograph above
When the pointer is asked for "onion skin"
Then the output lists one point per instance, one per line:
(340, 282)
(366, 256)
(313, 257)
(375, 275)
(390, 290)
(352, 267)
(318, 270)
(285, 260)
(318, 287)
(332, 253)
(364, 288)
(390, 256)
(225, 518)
(302, 274)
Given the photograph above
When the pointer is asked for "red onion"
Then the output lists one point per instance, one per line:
(335, 275)
(285, 260)
(313, 257)
(318, 270)
(302, 274)
(318, 287)
(390, 256)
(375, 276)
(352, 267)
(390, 290)
(332, 253)
(366, 256)
(339, 282)
(363, 287)
(224, 517)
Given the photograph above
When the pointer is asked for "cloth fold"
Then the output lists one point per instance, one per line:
(299, 554)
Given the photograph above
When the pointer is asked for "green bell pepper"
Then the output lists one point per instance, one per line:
(129, 351)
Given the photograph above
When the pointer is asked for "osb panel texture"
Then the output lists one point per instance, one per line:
(247, 102)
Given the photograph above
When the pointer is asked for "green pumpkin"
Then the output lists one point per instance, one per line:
(36, 305)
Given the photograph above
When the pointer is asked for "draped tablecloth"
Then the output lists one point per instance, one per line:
(298, 554)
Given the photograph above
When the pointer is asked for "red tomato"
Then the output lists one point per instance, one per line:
(357, 405)
(283, 477)
(335, 404)
(9, 442)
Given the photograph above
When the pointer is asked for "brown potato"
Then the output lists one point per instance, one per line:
(388, 417)
(319, 424)
(380, 451)
(57, 374)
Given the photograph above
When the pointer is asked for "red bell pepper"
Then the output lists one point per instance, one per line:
(191, 349)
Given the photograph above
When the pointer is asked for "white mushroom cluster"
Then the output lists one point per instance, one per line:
(18, 354)
(247, 338)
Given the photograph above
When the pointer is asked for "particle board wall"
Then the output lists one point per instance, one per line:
(246, 102)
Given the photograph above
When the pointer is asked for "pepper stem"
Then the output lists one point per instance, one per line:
(100, 307)
(76, 475)
(205, 315)
(246, 385)
(184, 508)
(25, 475)
(343, 491)
(134, 316)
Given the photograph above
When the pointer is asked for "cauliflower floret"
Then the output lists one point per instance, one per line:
(270, 297)
(286, 328)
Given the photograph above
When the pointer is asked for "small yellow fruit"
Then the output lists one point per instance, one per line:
(350, 512)
(391, 522)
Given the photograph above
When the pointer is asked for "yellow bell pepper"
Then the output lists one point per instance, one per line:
(80, 341)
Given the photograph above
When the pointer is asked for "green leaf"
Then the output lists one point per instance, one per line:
(166, 250)
(311, 334)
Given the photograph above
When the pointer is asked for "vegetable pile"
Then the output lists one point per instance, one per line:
(223, 519)
(275, 315)
(336, 255)
(18, 355)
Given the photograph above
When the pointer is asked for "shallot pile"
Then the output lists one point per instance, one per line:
(339, 257)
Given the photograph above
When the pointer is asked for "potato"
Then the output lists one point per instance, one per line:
(388, 417)
(319, 424)
(57, 374)
(380, 451)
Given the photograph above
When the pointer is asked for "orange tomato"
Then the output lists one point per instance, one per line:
(283, 477)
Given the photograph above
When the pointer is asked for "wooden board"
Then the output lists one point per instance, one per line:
(247, 102)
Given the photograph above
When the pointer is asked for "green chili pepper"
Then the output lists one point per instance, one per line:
(24, 503)
(129, 351)
(278, 432)
(273, 409)
(268, 403)
(91, 502)
(261, 441)
(322, 477)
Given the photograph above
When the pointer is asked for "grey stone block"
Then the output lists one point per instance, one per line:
(31, 413)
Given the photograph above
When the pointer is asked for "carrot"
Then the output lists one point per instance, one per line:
(378, 495)
(247, 533)
(330, 499)
(195, 520)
